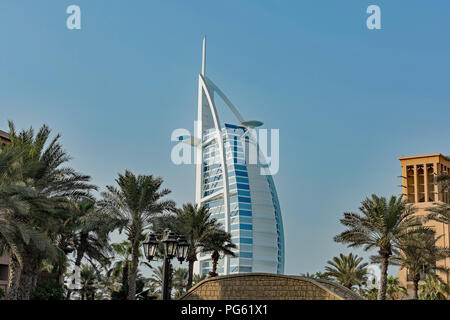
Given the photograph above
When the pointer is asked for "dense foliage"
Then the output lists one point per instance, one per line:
(48, 290)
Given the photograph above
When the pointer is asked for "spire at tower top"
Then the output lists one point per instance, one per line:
(204, 56)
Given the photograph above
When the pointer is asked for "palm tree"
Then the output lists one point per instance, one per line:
(198, 278)
(218, 243)
(13, 202)
(440, 212)
(393, 288)
(87, 234)
(433, 289)
(156, 280)
(24, 263)
(370, 294)
(179, 281)
(121, 266)
(196, 224)
(116, 281)
(418, 252)
(347, 270)
(107, 285)
(133, 204)
(87, 279)
(46, 190)
(380, 226)
(91, 234)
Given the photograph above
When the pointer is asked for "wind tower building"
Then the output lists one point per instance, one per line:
(420, 188)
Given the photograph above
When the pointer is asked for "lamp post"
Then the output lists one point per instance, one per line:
(173, 245)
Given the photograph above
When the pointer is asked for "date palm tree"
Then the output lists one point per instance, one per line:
(432, 288)
(348, 270)
(88, 278)
(179, 281)
(393, 288)
(419, 253)
(380, 226)
(13, 202)
(196, 224)
(218, 243)
(198, 278)
(156, 280)
(133, 205)
(49, 187)
(439, 212)
(370, 293)
(87, 234)
(90, 237)
(121, 265)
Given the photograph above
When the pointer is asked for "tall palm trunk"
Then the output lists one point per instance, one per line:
(14, 277)
(191, 260)
(29, 274)
(215, 258)
(133, 270)
(78, 259)
(416, 280)
(125, 270)
(383, 277)
(26, 282)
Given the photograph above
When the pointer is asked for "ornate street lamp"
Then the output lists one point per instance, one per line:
(170, 242)
(182, 248)
(150, 246)
(174, 245)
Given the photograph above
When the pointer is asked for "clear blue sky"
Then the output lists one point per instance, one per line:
(348, 101)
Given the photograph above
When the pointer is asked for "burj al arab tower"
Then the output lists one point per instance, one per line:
(238, 194)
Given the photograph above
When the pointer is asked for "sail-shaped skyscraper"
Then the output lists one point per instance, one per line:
(238, 194)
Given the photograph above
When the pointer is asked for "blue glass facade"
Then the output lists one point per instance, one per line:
(241, 210)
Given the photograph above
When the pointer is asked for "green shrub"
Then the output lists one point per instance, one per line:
(2, 293)
(48, 290)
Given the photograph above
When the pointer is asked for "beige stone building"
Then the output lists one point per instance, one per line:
(419, 187)
(4, 138)
(267, 286)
